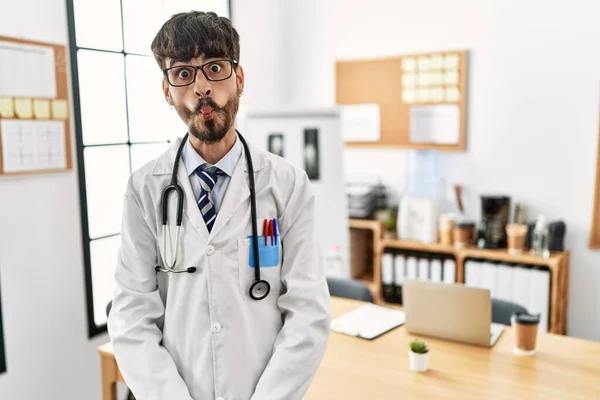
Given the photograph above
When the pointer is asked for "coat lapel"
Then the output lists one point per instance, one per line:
(238, 189)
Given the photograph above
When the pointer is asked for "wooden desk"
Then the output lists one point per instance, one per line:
(564, 368)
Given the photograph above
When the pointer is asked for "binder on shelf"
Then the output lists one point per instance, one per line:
(472, 273)
(399, 273)
(387, 276)
(423, 269)
(436, 269)
(505, 286)
(449, 271)
(521, 287)
(488, 277)
(540, 296)
(411, 267)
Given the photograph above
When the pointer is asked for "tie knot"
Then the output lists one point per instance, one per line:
(208, 175)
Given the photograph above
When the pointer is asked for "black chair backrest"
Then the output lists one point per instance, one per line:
(349, 289)
(503, 310)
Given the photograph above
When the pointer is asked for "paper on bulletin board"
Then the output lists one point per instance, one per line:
(32, 145)
(435, 124)
(361, 122)
(27, 71)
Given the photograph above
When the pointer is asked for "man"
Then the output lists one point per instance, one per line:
(200, 334)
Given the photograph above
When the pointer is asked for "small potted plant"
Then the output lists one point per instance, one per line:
(419, 356)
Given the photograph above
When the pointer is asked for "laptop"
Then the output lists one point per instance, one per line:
(454, 312)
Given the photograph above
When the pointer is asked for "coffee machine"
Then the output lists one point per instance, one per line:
(495, 212)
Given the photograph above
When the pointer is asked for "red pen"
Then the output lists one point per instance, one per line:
(265, 229)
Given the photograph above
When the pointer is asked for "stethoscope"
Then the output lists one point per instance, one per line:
(260, 288)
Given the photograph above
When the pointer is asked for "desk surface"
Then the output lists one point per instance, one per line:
(564, 367)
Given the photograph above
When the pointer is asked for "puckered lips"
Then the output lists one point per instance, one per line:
(206, 112)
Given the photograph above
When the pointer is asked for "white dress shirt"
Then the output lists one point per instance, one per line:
(192, 160)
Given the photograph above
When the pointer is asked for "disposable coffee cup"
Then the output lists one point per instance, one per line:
(516, 234)
(525, 330)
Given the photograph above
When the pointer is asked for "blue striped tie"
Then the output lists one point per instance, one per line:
(208, 175)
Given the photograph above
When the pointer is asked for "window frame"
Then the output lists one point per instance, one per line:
(93, 328)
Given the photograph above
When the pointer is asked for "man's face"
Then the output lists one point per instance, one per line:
(207, 107)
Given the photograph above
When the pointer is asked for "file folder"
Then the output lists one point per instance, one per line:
(423, 269)
(540, 296)
(411, 267)
(472, 273)
(436, 270)
(505, 286)
(387, 276)
(489, 277)
(521, 287)
(399, 274)
(449, 272)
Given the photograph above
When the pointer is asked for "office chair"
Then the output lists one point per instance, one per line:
(502, 311)
(349, 289)
(130, 395)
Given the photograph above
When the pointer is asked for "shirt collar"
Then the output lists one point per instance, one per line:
(192, 160)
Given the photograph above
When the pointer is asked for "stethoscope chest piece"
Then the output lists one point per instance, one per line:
(260, 289)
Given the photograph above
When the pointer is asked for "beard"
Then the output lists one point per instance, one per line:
(213, 130)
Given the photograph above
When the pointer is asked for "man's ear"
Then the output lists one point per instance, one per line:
(239, 76)
(167, 92)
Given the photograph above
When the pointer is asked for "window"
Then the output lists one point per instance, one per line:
(121, 120)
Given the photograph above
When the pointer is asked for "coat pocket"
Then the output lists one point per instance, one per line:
(270, 266)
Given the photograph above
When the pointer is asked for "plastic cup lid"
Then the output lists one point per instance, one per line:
(526, 319)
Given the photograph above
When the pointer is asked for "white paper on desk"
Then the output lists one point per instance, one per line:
(361, 122)
(435, 124)
(368, 321)
(32, 145)
(27, 70)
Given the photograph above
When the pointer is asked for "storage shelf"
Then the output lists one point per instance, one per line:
(557, 263)
(474, 252)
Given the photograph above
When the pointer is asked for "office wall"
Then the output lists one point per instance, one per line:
(533, 102)
(41, 265)
(48, 353)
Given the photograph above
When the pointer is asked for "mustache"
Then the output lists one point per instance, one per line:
(207, 101)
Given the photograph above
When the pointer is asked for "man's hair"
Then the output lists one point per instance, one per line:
(195, 33)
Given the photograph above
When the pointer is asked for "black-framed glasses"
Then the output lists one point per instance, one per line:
(184, 75)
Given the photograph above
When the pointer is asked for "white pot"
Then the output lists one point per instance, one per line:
(418, 362)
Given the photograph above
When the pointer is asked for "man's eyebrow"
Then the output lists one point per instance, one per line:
(187, 61)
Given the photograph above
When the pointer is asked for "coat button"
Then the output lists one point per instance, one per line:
(216, 327)
(210, 250)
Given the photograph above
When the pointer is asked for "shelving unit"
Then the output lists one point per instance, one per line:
(372, 271)
(557, 264)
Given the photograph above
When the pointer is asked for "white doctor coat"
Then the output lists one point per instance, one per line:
(200, 336)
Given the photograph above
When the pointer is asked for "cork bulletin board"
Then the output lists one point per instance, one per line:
(422, 98)
(34, 108)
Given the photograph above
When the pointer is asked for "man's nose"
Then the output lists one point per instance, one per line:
(202, 85)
